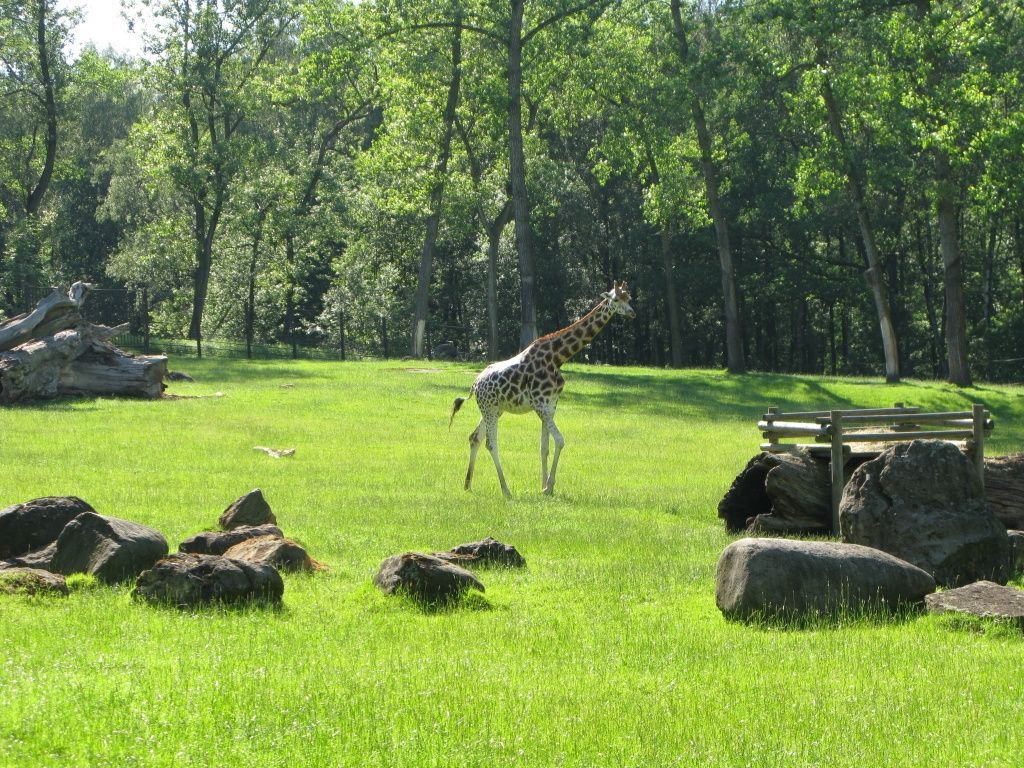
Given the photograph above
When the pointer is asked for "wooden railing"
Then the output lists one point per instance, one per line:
(842, 434)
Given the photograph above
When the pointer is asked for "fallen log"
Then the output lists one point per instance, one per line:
(780, 493)
(52, 351)
(1004, 488)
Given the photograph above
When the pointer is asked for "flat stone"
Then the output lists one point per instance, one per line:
(982, 598)
(219, 542)
(283, 554)
(31, 581)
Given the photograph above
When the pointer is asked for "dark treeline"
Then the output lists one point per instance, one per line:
(827, 187)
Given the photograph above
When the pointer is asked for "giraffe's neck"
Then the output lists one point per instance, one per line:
(566, 343)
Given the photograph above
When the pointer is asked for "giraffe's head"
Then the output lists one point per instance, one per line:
(618, 300)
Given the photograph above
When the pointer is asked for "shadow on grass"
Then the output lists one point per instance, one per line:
(869, 616)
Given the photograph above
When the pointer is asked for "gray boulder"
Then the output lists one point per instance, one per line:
(110, 549)
(426, 578)
(31, 581)
(250, 509)
(219, 542)
(35, 524)
(38, 559)
(772, 578)
(922, 502)
(982, 598)
(184, 579)
(283, 554)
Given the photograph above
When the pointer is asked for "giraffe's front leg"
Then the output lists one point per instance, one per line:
(549, 421)
(544, 435)
(475, 438)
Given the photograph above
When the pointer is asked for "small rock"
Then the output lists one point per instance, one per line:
(35, 524)
(283, 554)
(484, 553)
(110, 549)
(982, 598)
(185, 579)
(782, 577)
(31, 581)
(426, 578)
(251, 509)
(219, 542)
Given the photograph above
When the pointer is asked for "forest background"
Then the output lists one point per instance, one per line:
(830, 187)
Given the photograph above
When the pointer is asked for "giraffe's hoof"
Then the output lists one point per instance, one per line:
(549, 490)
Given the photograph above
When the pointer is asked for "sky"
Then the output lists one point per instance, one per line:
(103, 25)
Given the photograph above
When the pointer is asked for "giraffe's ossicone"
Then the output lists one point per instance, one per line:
(532, 381)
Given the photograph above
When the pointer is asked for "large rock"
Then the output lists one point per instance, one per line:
(426, 578)
(185, 579)
(110, 549)
(219, 542)
(251, 509)
(283, 554)
(922, 502)
(983, 598)
(772, 578)
(35, 524)
(39, 559)
(485, 553)
(31, 581)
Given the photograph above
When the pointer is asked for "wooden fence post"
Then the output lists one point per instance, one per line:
(772, 410)
(838, 462)
(978, 450)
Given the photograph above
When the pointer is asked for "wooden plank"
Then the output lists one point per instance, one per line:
(857, 411)
(885, 437)
(791, 429)
(978, 449)
(923, 418)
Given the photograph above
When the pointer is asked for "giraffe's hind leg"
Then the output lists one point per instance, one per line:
(475, 438)
(547, 416)
(491, 421)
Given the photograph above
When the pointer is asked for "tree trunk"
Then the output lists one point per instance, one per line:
(419, 323)
(873, 274)
(952, 274)
(671, 300)
(517, 176)
(733, 337)
(923, 256)
(35, 196)
(494, 232)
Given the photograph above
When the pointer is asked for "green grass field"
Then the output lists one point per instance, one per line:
(607, 650)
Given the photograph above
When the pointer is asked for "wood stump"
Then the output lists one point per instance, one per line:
(52, 351)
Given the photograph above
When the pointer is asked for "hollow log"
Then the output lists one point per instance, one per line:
(780, 493)
(1004, 488)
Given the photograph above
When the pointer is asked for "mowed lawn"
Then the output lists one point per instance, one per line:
(607, 650)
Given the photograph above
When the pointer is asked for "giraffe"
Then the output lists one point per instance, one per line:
(532, 381)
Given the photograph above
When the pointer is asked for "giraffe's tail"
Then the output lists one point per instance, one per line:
(455, 407)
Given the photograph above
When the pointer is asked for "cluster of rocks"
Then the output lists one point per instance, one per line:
(46, 539)
(912, 519)
(442, 577)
